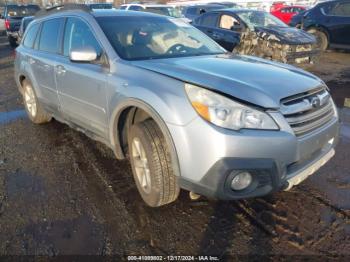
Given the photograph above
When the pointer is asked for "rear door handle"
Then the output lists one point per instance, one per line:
(216, 35)
(60, 70)
(31, 60)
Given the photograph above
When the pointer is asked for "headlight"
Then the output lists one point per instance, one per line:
(224, 112)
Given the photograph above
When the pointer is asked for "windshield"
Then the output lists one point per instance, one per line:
(164, 10)
(258, 18)
(21, 11)
(141, 38)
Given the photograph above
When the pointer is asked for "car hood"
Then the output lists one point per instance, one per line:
(285, 35)
(254, 80)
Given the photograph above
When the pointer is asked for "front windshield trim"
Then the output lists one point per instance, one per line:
(177, 56)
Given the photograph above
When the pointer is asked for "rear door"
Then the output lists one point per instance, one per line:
(339, 23)
(82, 86)
(207, 23)
(42, 60)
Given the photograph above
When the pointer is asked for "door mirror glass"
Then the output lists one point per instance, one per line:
(83, 54)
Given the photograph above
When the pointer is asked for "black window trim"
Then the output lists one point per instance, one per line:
(59, 35)
(234, 16)
(36, 35)
(103, 51)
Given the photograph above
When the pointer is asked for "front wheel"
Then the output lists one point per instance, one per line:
(151, 164)
(321, 38)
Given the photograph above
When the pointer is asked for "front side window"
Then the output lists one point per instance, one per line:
(30, 36)
(227, 22)
(78, 35)
(49, 37)
(142, 38)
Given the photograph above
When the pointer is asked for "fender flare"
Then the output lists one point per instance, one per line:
(114, 133)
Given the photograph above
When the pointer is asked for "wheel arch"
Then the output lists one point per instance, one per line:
(127, 113)
(319, 28)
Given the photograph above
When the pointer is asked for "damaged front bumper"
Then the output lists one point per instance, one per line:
(267, 48)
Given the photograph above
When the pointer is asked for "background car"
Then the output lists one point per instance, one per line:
(100, 5)
(13, 15)
(154, 8)
(330, 23)
(285, 13)
(257, 33)
(192, 12)
(297, 20)
(24, 24)
(226, 4)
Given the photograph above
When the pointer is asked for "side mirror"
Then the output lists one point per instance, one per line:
(237, 27)
(84, 54)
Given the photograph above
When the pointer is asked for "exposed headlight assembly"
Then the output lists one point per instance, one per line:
(226, 113)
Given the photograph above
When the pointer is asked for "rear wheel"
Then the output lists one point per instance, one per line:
(151, 164)
(321, 38)
(34, 110)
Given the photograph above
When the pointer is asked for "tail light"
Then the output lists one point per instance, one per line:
(7, 24)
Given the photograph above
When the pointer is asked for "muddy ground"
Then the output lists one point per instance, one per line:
(62, 193)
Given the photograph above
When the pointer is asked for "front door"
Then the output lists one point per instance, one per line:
(82, 86)
(339, 20)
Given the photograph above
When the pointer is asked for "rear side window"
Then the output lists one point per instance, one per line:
(191, 11)
(209, 20)
(49, 37)
(30, 36)
(341, 9)
(78, 35)
(135, 8)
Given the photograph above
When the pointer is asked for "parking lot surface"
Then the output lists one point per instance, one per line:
(63, 193)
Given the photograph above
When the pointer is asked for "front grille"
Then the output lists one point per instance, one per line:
(308, 111)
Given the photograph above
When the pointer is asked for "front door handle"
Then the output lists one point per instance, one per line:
(60, 70)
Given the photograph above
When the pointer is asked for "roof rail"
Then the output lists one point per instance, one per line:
(60, 8)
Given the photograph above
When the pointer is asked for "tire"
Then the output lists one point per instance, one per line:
(321, 38)
(34, 110)
(12, 41)
(150, 156)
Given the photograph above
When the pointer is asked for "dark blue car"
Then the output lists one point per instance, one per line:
(257, 33)
(330, 23)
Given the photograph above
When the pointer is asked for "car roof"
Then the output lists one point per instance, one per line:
(116, 12)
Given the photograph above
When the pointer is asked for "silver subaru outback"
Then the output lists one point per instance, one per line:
(185, 112)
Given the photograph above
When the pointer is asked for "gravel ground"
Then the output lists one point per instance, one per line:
(62, 193)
